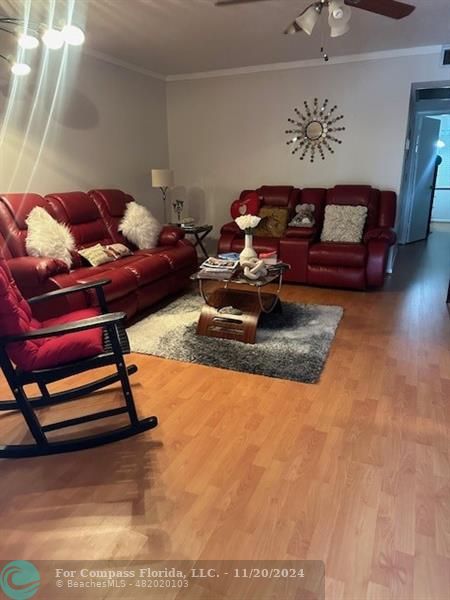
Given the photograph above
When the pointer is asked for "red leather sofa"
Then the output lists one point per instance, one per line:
(137, 281)
(354, 266)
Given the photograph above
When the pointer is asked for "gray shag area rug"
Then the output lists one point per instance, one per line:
(293, 344)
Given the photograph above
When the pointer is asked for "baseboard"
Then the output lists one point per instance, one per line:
(440, 220)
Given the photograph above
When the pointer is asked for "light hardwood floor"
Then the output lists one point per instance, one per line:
(354, 470)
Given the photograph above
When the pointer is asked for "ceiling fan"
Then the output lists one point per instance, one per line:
(339, 13)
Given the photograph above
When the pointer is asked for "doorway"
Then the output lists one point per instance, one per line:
(425, 190)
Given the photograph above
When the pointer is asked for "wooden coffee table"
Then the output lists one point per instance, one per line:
(251, 302)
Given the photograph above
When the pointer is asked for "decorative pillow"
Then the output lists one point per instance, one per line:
(273, 222)
(304, 216)
(344, 223)
(140, 226)
(248, 205)
(117, 250)
(96, 255)
(47, 237)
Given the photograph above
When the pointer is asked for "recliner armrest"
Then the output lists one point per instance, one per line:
(381, 233)
(169, 236)
(303, 233)
(33, 271)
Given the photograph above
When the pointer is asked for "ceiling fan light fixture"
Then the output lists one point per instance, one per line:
(53, 39)
(28, 42)
(308, 19)
(74, 36)
(337, 31)
(339, 15)
(20, 69)
(293, 28)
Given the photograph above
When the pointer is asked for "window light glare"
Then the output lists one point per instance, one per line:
(53, 39)
(440, 144)
(20, 69)
(28, 42)
(73, 35)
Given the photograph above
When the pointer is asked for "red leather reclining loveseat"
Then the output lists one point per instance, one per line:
(356, 266)
(137, 281)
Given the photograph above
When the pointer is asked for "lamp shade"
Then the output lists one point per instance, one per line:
(339, 17)
(162, 178)
(308, 19)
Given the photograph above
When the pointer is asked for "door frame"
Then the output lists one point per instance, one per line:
(417, 110)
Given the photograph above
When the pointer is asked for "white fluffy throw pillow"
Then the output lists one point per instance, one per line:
(47, 237)
(344, 223)
(140, 226)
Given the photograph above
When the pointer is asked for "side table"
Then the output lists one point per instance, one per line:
(199, 232)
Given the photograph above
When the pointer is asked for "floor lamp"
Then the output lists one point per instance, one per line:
(162, 179)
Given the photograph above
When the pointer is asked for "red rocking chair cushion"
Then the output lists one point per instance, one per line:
(16, 317)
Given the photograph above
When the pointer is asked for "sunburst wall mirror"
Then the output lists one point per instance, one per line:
(314, 130)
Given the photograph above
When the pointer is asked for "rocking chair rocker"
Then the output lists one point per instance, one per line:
(45, 352)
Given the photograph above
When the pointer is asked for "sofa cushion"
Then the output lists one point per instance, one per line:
(148, 269)
(123, 281)
(273, 222)
(181, 256)
(81, 214)
(69, 347)
(337, 255)
(111, 205)
(357, 195)
(344, 223)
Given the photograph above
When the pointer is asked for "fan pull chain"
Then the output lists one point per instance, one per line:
(323, 51)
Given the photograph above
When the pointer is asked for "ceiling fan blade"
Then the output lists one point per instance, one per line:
(387, 8)
(231, 2)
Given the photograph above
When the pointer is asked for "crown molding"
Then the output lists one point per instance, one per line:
(123, 64)
(315, 62)
(298, 64)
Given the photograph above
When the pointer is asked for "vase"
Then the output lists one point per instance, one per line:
(248, 251)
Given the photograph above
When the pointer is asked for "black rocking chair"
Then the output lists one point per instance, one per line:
(115, 345)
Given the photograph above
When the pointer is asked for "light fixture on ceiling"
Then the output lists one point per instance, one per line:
(440, 144)
(307, 20)
(339, 15)
(53, 39)
(72, 35)
(29, 34)
(27, 41)
(17, 68)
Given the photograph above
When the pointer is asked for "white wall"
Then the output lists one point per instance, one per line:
(103, 126)
(227, 133)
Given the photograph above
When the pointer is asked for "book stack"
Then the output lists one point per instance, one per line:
(218, 268)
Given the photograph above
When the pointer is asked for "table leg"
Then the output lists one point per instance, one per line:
(200, 243)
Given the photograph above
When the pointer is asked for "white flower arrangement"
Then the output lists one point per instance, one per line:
(247, 223)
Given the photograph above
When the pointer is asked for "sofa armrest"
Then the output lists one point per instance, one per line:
(381, 233)
(303, 233)
(169, 236)
(377, 255)
(232, 228)
(30, 271)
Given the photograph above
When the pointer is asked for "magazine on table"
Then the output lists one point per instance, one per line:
(219, 264)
